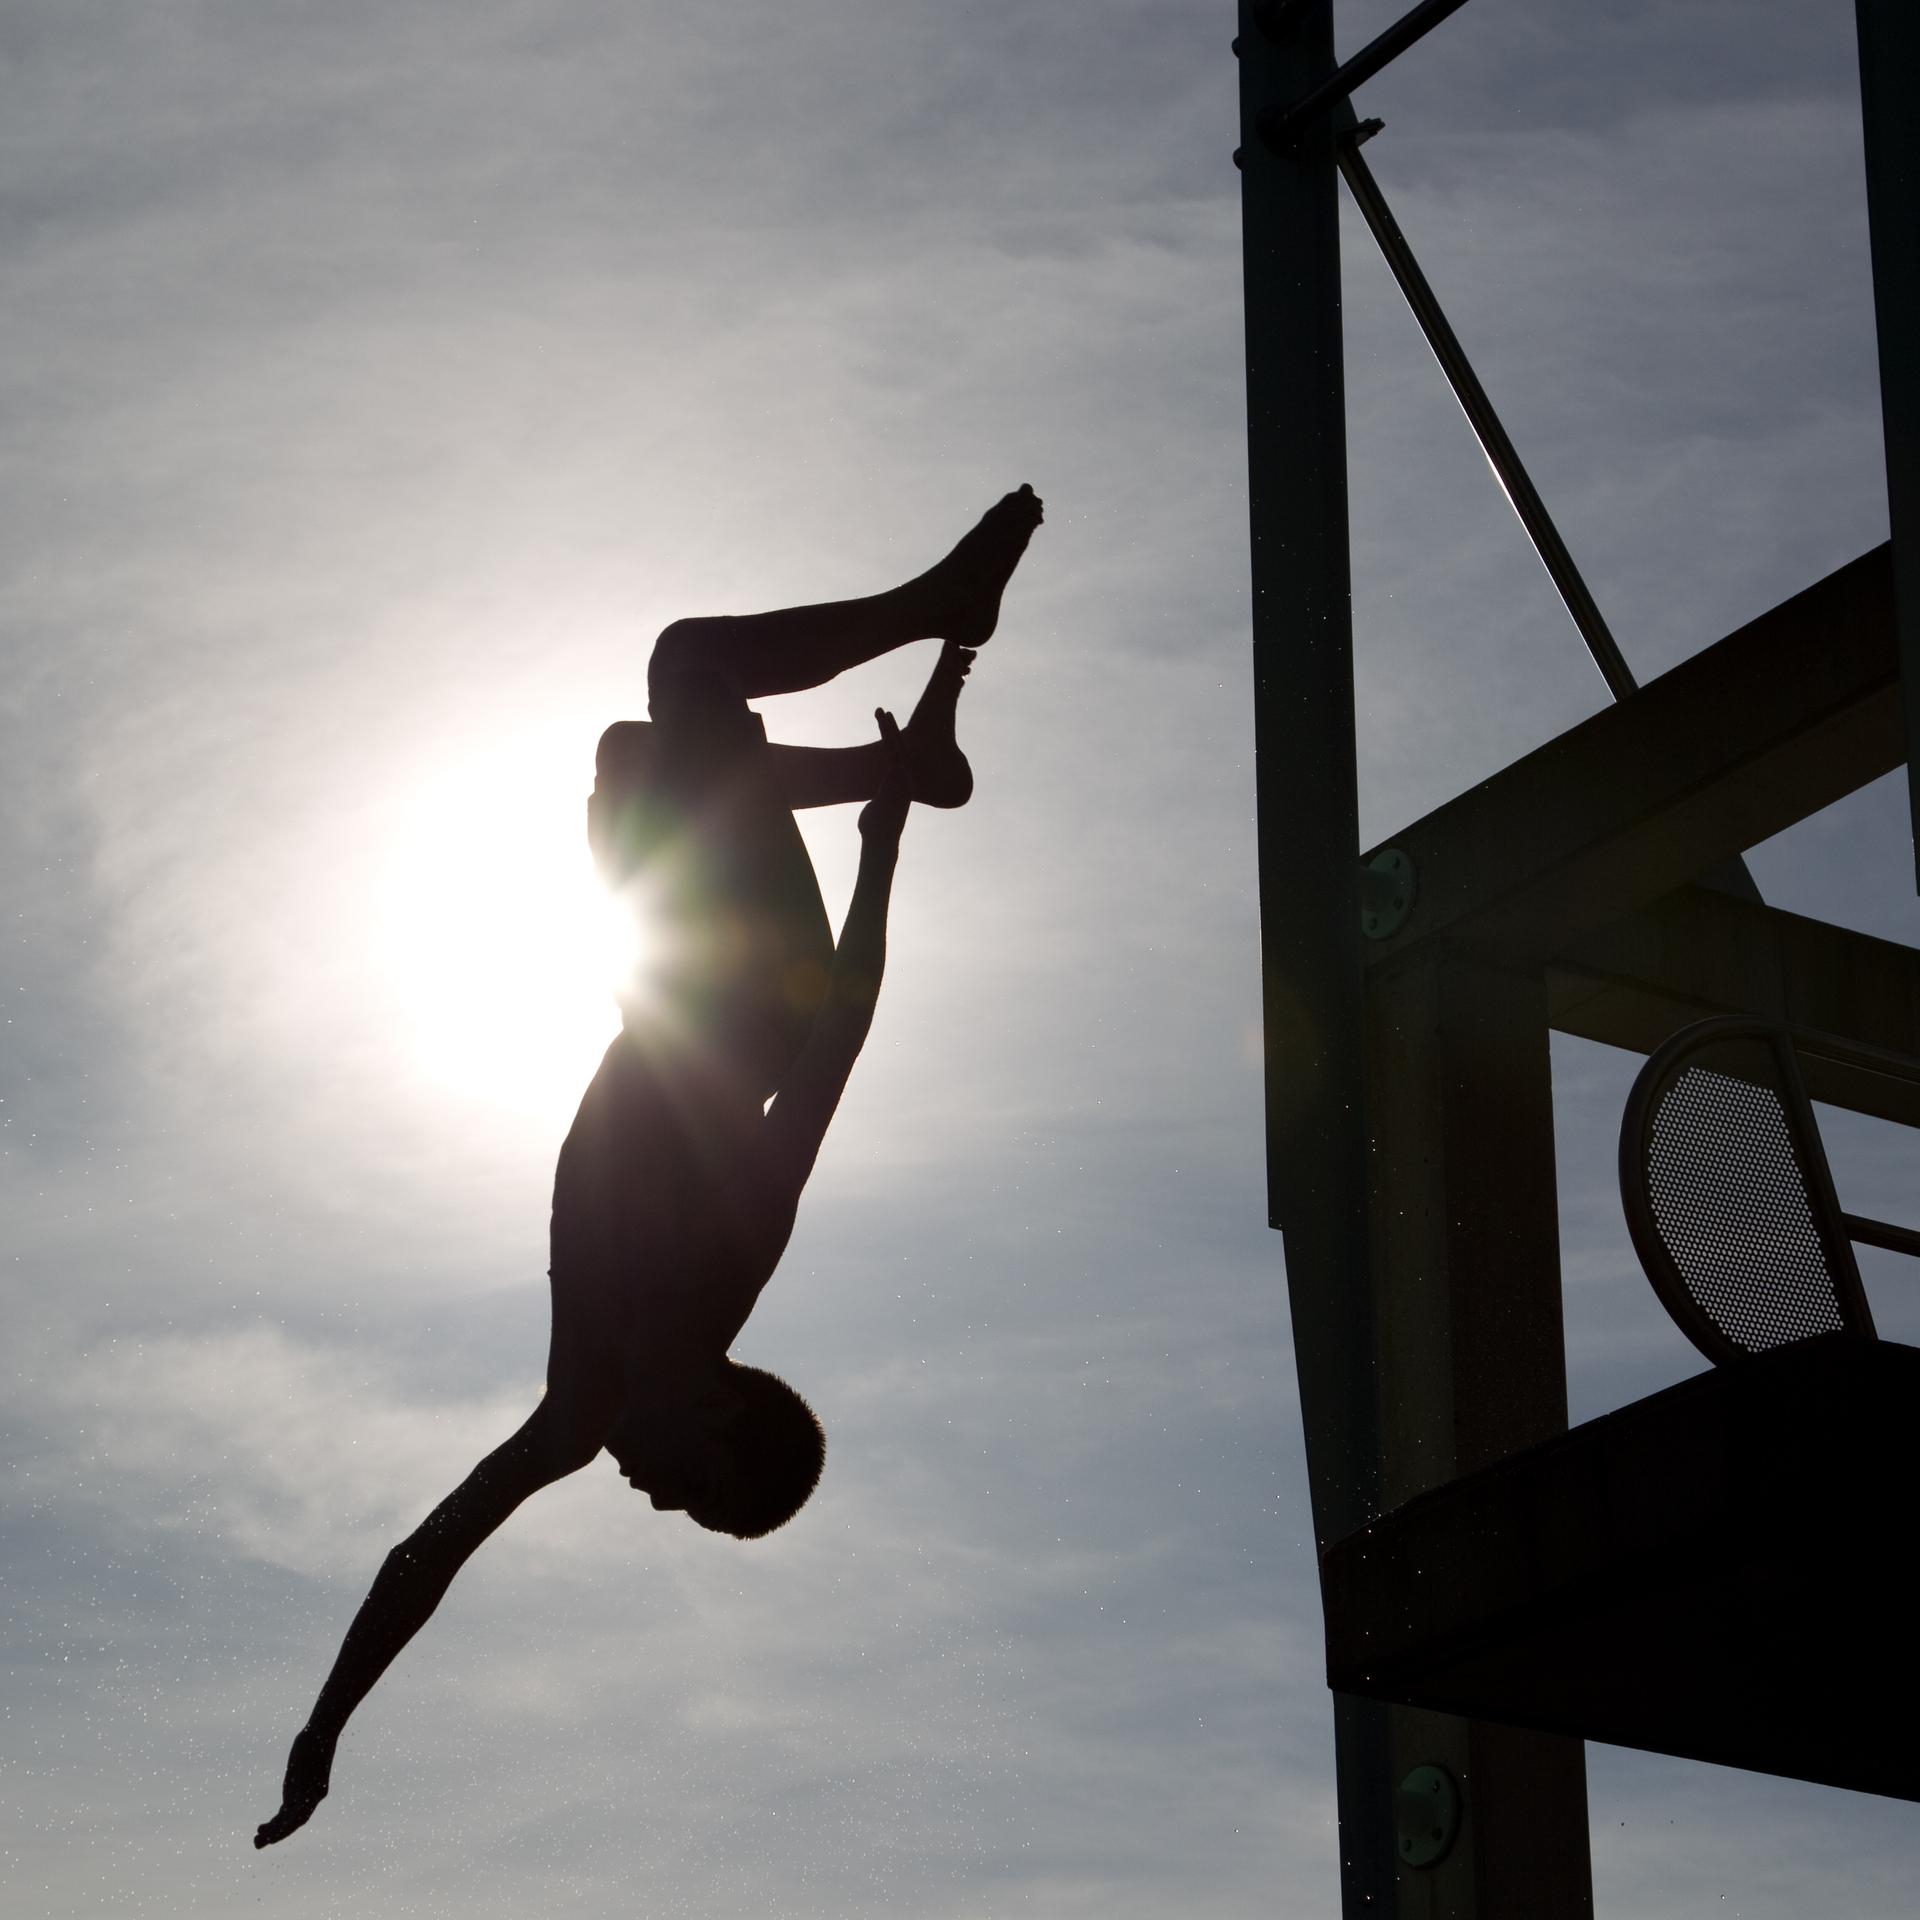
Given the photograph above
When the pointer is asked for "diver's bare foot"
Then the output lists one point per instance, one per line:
(939, 770)
(309, 1766)
(960, 597)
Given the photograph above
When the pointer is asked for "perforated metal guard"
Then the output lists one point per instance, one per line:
(1730, 1199)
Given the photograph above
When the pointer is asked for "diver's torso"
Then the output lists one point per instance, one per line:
(654, 1229)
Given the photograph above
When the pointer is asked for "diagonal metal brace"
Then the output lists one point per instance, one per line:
(1281, 129)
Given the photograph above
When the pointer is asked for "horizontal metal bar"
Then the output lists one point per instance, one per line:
(1794, 711)
(1280, 129)
(1698, 953)
(1880, 1233)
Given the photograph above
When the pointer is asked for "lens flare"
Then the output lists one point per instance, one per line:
(499, 952)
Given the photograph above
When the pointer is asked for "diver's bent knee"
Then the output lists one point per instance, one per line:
(683, 646)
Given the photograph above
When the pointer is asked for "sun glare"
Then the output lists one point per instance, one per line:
(499, 948)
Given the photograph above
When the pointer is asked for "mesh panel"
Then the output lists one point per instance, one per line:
(1730, 1199)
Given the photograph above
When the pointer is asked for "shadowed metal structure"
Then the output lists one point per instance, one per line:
(1703, 1573)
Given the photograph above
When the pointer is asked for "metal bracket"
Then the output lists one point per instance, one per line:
(1388, 886)
(1282, 128)
(1426, 1816)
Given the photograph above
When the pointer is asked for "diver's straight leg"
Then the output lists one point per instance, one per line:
(799, 647)
(796, 1122)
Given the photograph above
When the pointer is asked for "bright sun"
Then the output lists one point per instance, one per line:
(496, 941)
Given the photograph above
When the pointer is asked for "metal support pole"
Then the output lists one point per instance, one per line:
(1523, 1798)
(1889, 33)
(1466, 1277)
(1309, 836)
(1307, 799)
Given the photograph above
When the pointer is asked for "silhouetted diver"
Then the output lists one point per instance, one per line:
(677, 1184)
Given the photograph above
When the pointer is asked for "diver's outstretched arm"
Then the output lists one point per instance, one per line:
(411, 1583)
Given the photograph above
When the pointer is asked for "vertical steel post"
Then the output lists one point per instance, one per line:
(1307, 799)
(1363, 1312)
(1466, 1279)
(1889, 32)
(1309, 836)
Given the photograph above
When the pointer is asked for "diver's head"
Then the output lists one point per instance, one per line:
(739, 1451)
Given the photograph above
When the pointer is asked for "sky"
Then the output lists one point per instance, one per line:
(378, 381)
